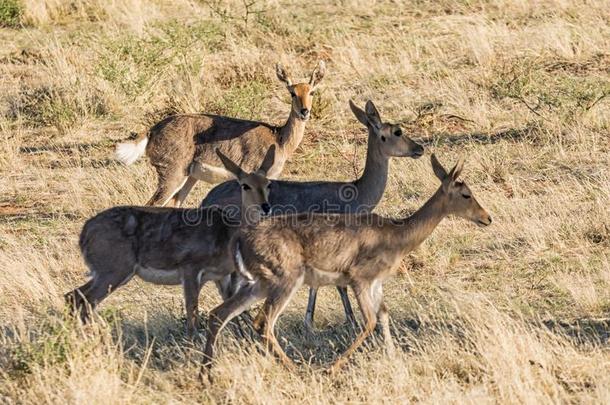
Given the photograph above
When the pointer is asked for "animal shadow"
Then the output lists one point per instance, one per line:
(527, 133)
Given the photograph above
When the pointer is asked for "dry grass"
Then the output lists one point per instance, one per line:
(513, 313)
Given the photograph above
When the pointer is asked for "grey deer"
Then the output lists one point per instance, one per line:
(181, 147)
(167, 246)
(385, 140)
(281, 253)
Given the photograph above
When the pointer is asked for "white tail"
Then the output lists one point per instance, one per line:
(129, 152)
(181, 160)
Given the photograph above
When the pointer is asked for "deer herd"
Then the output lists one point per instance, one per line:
(258, 238)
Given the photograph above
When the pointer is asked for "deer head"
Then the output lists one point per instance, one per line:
(255, 186)
(392, 141)
(302, 93)
(460, 201)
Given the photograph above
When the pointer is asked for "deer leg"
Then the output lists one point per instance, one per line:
(101, 286)
(259, 322)
(181, 195)
(171, 180)
(108, 275)
(274, 306)
(191, 288)
(311, 307)
(382, 316)
(221, 315)
(365, 301)
(227, 287)
(347, 307)
(76, 301)
(384, 320)
(236, 283)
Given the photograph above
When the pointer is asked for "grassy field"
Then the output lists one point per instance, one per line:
(518, 312)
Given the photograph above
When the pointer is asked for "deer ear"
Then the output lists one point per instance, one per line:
(439, 170)
(268, 161)
(317, 75)
(230, 165)
(282, 75)
(457, 169)
(372, 114)
(360, 114)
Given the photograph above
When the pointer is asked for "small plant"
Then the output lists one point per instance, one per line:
(242, 101)
(54, 106)
(322, 106)
(50, 347)
(135, 64)
(10, 13)
(245, 14)
(548, 93)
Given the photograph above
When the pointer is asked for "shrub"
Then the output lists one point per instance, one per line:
(55, 106)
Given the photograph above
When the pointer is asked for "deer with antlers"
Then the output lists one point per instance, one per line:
(281, 253)
(181, 147)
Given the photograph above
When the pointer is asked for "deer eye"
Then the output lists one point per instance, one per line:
(382, 138)
(245, 187)
(269, 186)
(398, 132)
(466, 196)
(311, 93)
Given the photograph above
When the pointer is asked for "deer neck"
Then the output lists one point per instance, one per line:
(248, 216)
(371, 184)
(416, 228)
(291, 134)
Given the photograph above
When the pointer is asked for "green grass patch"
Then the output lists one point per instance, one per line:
(54, 106)
(50, 347)
(134, 64)
(547, 91)
(10, 13)
(243, 101)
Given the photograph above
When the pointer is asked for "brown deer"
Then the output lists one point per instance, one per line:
(167, 246)
(181, 147)
(281, 253)
(385, 140)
